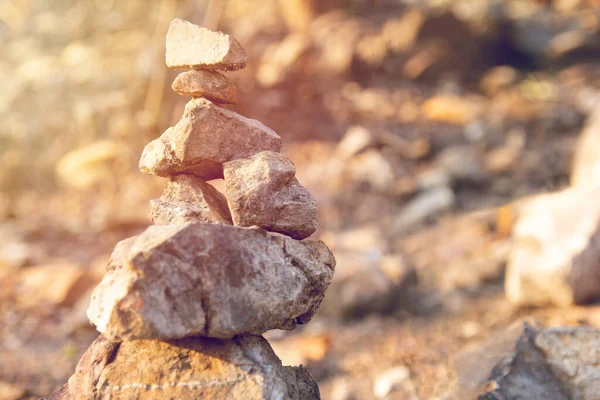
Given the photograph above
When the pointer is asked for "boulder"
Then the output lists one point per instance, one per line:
(209, 84)
(206, 136)
(210, 280)
(555, 254)
(551, 363)
(190, 46)
(188, 199)
(244, 367)
(262, 190)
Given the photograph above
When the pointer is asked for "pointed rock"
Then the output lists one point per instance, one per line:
(188, 199)
(210, 280)
(190, 46)
(200, 368)
(262, 190)
(208, 84)
(206, 136)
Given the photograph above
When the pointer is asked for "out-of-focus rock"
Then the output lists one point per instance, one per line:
(498, 78)
(11, 391)
(401, 33)
(555, 251)
(503, 158)
(356, 140)
(244, 367)
(586, 159)
(44, 287)
(422, 207)
(395, 382)
(451, 109)
(552, 363)
(247, 280)
(281, 58)
(367, 283)
(206, 136)
(372, 168)
(262, 190)
(461, 163)
(209, 84)
(193, 47)
(302, 349)
(188, 199)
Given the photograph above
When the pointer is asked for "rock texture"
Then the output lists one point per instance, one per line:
(208, 84)
(190, 46)
(211, 280)
(188, 199)
(206, 136)
(552, 363)
(556, 248)
(194, 368)
(262, 190)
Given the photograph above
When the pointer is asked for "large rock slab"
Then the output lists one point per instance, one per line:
(552, 363)
(555, 256)
(209, 84)
(262, 190)
(190, 46)
(206, 136)
(188, 199)
(244, 367)
(210, 280)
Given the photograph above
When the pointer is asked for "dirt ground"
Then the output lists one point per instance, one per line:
(467, 107)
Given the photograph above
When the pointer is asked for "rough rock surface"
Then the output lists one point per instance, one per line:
(188, 199)
(190, 46)
(206, 136)
(553, 363)
(556, 248)
(244, 367)
(262, 190)
(209, 84)
(211, 280)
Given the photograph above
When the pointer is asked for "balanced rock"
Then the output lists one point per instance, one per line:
(205, 83)
(210, 280)
(190, 46)
(555, 251)
(188, 199)
(206, 136)
(244, 367)
(262, 190)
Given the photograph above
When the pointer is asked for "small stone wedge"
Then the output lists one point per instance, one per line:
(210, 280)
(190, 46)
(188, 199)
(208, 84)
(206, 136)
(262, 190)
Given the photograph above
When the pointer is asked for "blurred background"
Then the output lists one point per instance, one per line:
(421, 127)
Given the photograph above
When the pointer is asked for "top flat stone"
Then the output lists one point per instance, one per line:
(191, 46)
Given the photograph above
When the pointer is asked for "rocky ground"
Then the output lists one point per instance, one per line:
(423, 131)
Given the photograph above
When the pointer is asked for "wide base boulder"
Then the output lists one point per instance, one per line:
(244, 367)
(210, 280)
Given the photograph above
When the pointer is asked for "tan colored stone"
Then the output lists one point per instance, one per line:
(211, 280)
(555, 251)
(209, 84)
(190, 46)
(206, 136)
(586, 161)
(244, 367)
(262, 190)
(188, 199)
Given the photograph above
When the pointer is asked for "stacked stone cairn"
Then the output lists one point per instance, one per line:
(182, 306)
